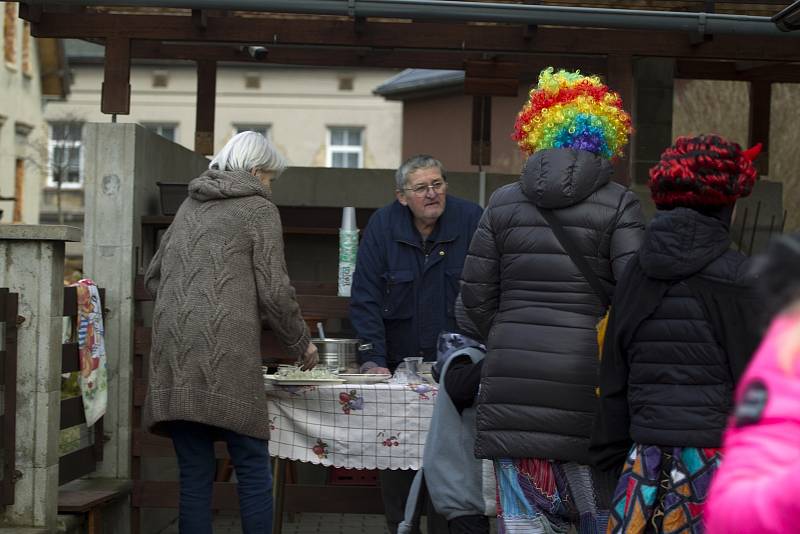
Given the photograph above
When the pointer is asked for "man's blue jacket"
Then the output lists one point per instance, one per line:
(402, 297)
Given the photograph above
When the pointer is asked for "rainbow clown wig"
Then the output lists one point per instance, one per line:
(570, 110)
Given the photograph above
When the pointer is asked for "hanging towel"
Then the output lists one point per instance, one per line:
(93, 378)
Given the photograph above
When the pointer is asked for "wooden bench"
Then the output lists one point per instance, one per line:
(89, 496)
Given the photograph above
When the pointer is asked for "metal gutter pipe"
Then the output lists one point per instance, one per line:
(631, 19)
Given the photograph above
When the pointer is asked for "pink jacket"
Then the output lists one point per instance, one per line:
(756, 489)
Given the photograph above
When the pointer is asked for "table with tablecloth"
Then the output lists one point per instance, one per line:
(376, 426)
(355, 426)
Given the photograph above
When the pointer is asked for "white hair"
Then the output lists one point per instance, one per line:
(247, 151)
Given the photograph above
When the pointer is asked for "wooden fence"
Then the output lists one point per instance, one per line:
(8, 382)
(83, 460)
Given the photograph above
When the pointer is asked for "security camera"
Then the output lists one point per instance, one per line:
(788, 19)
(257, 52)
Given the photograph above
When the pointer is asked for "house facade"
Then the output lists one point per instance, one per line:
(30, 72)
(318, 117)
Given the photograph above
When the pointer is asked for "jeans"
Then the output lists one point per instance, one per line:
(194, 446)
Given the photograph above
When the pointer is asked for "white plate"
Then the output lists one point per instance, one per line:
(363, 378)
(302, 381)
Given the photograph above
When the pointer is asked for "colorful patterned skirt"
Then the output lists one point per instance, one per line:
(663, 490)
(548, 497)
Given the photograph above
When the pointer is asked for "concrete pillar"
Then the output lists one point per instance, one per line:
(122, 163)
(32, 265)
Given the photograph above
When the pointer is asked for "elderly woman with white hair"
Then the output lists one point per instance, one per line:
(219, 269)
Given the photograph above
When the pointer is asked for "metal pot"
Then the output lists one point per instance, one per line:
(339, 353)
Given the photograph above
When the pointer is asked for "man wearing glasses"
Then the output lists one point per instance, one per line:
(405, 285)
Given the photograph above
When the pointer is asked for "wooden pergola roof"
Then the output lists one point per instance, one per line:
(495, 56)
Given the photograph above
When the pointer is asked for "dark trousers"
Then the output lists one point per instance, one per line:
(194, 446)
(469, 524)
(395, 485)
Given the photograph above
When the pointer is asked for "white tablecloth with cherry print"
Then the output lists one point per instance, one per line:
(377, 426)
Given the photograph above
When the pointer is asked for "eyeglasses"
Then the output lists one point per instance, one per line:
(421, 190)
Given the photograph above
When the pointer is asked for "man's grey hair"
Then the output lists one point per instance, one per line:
(247, 151)
(414, 163)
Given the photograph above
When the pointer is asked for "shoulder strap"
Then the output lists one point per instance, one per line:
(577, 258)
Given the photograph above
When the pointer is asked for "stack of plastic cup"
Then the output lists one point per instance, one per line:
(348, 247)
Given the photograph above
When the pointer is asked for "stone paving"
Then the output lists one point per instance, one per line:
(306, 524)
(227, 523)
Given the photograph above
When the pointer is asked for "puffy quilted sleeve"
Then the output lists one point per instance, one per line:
(481, 276)
(628, 233)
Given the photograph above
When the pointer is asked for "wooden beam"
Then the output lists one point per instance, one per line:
(621, 80)
(206, 104)
(394, 34)
(529, 63)
(760, 106)
(733, 70)
(116, 88)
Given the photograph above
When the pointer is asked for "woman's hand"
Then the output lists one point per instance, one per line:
(310, 357)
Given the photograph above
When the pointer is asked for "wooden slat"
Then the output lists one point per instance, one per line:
(159, 494)
(99, 439)
(491, 86)
(70, 301)
(304, 287)
(140, 292)
(72, 413)
(147, 445)
(2, 368)
(70, 358)
(139, 391)
(8, 429)
(332, 499)
(324, 306)
(79, 502)
(141, 339)
(75, 465)
(298, 498)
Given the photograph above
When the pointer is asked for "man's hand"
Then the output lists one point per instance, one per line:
(310, 357)
(378, 371)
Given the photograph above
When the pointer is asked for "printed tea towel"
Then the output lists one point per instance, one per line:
(93, 378)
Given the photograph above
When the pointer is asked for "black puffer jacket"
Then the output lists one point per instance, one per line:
(535, 308)
(668, 354)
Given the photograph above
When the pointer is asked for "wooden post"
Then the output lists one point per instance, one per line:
(760, 106)
(116, 97)
(206, 96)
(620, 79)
(481, 145)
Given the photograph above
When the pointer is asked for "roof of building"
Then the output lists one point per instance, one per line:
(76, 49)
(414, 83)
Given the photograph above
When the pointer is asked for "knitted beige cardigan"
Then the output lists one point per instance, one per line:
(219, 269)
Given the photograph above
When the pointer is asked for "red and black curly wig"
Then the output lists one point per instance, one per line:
(706, 171)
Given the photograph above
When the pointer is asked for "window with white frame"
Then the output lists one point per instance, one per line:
(164, 129)
(263, 129)
(345, 147)
(65, 154)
